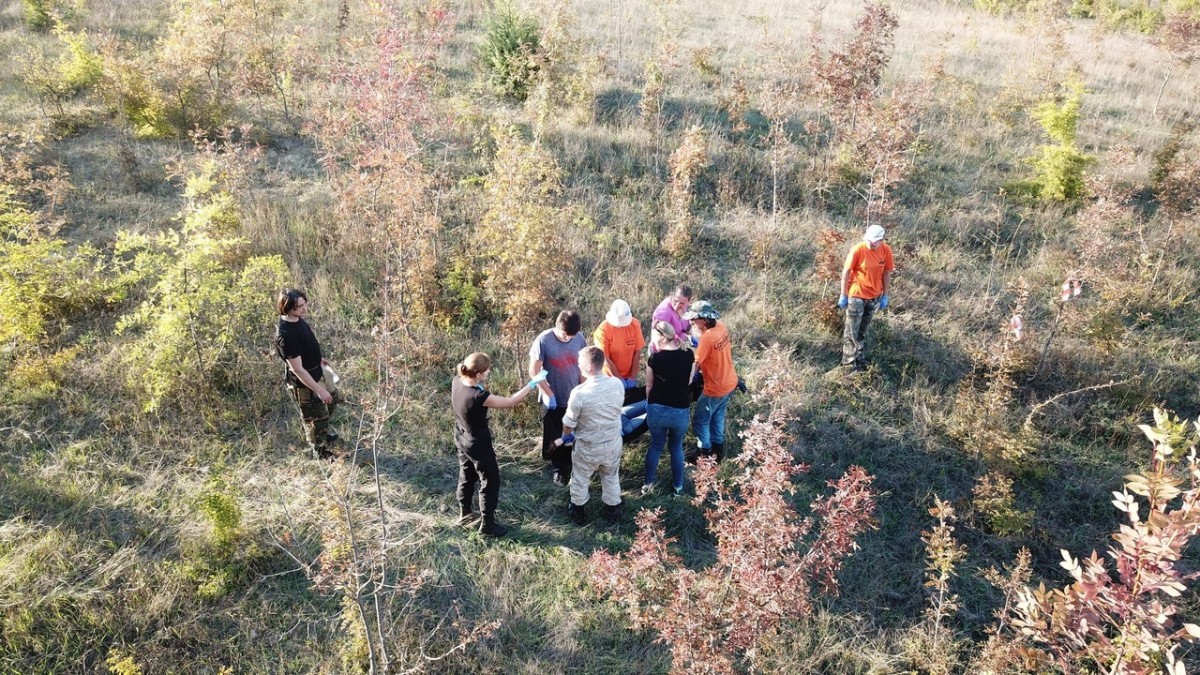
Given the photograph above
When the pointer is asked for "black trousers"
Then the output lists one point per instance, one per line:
(552, 428)
(477, 466)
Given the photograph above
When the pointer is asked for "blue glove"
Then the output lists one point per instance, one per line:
(568, 439)
(694, 341)
(552, 403)
(842, 302)
(630, 383)
(538, 379)
(883, 302)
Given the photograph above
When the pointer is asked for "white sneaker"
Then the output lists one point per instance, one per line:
(647, 489)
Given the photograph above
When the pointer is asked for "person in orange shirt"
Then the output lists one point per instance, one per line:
(714, 357)
(620, 338)
(866, 278)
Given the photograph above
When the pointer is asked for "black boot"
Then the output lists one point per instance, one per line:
(577, 513)
(693, 455)
(466, 515)
(719, 450)
(488, 527)
(613, 513)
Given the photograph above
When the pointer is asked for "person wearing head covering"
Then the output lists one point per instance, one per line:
(473, 438)
(304, 371)
(866, 278)
(714, 357)
(620, 337)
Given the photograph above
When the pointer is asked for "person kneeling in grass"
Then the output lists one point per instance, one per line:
(473, 437)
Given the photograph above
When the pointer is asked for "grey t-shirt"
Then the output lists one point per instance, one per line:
(561, 359)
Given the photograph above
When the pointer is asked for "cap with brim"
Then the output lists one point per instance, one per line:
(619, 314)
(701, 310)
(873, 234)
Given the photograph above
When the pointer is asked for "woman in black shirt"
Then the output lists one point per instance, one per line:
(667, 373)
(476, 456)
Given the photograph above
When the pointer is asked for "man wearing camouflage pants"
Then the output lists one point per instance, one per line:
(299, 349)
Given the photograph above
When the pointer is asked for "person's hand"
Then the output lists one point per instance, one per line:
(323, 394)
(568, 439)
(842, 302)
(538, 379)
(694, 341)
(883, 302)
(629, 383)
(324, 361)
(552, 403)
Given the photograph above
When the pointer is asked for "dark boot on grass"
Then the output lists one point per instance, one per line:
(577, 514)
(718, 451)
(614, 513)
(466, 515)
(488, 527)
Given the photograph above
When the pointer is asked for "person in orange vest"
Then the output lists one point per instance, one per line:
(866, 278)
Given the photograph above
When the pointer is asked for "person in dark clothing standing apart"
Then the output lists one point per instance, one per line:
(299, 349)
(557, 351)
(473, 437)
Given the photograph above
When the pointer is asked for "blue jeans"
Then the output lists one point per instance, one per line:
(708, 423)
(666, 424)
(632, 417)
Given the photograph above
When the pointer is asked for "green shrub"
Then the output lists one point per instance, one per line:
(131, 93)
(510, 44)
(38, 14)
(196, 330)
(1058, 169)
(43, 280)
(1138, 16)
(220, 508)
(80, 68)
(1082, 9)
(1000, 7)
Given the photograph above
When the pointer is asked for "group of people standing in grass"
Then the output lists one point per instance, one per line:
(592, 403)
(590, 397)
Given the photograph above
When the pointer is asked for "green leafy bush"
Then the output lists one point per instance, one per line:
(39, 14)
(1138, 16)
(510, 43)
(43, 279)
(80, 67)
(1058, 169)
(196, 330)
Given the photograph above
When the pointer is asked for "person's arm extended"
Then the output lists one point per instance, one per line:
(535, 367)
(297, 366)
(887, 281)
(495, 401)
(845, 282)
(649, 379)
(695, 368)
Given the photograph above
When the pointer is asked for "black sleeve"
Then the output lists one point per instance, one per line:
(287, 344)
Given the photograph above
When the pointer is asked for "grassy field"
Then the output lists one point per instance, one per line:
(193, 534)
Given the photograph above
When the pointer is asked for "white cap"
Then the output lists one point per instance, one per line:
(873, 234)
(619, 314)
